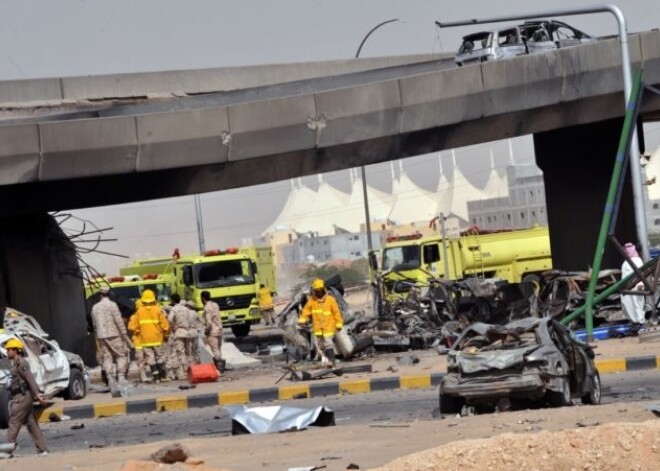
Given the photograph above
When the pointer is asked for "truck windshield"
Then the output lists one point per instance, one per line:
(225, 273)
(401, 258)
(133, 292)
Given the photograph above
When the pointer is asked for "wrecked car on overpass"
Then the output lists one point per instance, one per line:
(527, 359)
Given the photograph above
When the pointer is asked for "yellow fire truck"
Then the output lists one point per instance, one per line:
(231, 276)
(512, 255)
(126, 289)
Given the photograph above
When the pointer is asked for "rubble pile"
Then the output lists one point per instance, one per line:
(610, 447)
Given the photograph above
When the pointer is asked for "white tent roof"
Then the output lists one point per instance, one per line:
(412, 203)
(297, 207)
(462, 191)
(327, 206)
(352, 215)
(497, 185)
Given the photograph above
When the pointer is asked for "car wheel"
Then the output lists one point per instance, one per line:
(240, 330)
(450, 404)
(5, 397)
(77, 388)
(593, 396)
(561, 398)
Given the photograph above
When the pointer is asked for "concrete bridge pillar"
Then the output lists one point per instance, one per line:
(40, 276)
(577, 165)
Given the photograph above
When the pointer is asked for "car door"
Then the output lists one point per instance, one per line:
(574, 357)
(51, 361)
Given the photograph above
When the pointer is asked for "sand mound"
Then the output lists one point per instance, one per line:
(614, 446)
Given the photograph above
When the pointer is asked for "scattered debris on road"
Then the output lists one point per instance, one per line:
(174, 453)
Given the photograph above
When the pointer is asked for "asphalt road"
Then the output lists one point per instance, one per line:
(388, 407)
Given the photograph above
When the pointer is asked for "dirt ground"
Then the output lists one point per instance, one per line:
(614, 447)
(374, 445)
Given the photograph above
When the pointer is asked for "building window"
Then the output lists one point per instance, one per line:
(655, 205)
(656, 222)
(489, 219)
(508, 216)
(358, 254)
(474, 220)
(533, 214)
(522, 215)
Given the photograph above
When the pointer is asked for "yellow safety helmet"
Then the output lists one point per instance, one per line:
(148, 297)
(14, 343)
(318, 284)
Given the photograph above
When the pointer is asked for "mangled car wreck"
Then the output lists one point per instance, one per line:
(527, 359)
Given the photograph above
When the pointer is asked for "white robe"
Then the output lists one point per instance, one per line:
(633, 305)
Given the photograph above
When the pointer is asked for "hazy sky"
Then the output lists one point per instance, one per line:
(43, 38)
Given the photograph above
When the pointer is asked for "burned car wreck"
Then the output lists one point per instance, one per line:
(527, 359)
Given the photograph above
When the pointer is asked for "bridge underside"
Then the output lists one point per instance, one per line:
(571, 101)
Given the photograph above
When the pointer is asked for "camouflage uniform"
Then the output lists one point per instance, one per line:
(184, 333)
(213, 323)
(24, 391)
(111, 336)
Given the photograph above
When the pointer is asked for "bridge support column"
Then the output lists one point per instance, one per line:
(577, 165)
(40, 276)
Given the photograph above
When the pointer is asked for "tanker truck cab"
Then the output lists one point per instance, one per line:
(231, 277)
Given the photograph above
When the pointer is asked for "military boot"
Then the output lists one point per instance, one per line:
(163, 373)
(155, 374)
(143, 376)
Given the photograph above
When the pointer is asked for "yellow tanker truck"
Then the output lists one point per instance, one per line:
(512, 255)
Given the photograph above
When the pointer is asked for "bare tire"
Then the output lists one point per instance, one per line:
(4, 408)
(593, 396)
(450, 404)
(561, 398)
(77, 388)
(240, 330)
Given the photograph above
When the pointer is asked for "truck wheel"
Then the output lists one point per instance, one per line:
(240, 330)
(77, 388)
(450, 404)
(532, 278)
(4, 408)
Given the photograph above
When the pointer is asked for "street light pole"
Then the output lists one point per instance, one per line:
(363, 173)
(200, 224)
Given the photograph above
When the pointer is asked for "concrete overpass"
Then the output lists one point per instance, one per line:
(86, 141)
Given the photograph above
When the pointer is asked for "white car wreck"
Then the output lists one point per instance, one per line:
(56, 372)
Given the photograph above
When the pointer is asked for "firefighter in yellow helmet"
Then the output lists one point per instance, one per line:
(326, 319)
(150, 325)
(24, 391)
(135, 337)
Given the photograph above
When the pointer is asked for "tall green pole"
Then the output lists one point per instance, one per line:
(628, 124)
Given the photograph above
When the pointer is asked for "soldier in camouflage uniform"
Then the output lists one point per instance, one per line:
(213, 329)
(183, 323)
(111, 337)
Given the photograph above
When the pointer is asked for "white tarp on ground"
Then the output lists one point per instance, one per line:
(271, 419)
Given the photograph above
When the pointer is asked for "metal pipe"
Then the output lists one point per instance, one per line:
(200, 223)
(628, 123)
(635, 167)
